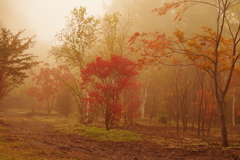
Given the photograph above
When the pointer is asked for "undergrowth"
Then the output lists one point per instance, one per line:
(100, 133)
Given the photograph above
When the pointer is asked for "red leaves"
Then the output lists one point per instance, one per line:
(34, 92)
(50, 83)
(118, 67)
(105, 81)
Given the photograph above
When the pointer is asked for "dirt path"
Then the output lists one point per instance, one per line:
(43, 141)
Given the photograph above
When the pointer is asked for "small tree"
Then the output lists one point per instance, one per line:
(73, 46)
(105, 81)
(49, 82)
(13, 60)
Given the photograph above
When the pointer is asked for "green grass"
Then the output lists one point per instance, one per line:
(104, 135)
(99, 133)
(70, 126)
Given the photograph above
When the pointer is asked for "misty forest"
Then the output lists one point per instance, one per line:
(156, 79)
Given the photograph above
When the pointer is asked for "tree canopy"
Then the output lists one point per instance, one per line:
(14, 61)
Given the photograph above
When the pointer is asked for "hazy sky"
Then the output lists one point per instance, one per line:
(47, 17)
(43, 18)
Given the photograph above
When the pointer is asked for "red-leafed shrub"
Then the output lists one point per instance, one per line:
(105, 81)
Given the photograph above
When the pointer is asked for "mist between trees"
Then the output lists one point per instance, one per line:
(133, 64)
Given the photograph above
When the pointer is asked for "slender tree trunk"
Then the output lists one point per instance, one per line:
(177, 122)
(48, 106)
(193, 109)
(186, 116)
(87, 113)
(210, 122)
(199, 118)
(144, 96)
(233, 107)
(203, 119)
(183, 118)
(143, 102)
(107, 121)
(170, 115)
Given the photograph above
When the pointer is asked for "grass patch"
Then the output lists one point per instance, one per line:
(111, 135)
(100, 133)
(51, 118)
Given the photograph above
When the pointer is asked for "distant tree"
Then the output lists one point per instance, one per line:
(105, 81)
(114, 32)
(49, 82)
(13, 60)
(48, 85)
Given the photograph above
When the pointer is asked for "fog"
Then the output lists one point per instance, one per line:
(43, 18)
(161, 75)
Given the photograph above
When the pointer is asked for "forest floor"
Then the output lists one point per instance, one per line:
(27, 137)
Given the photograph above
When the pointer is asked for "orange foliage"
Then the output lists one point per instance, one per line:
(151, 47)
(201, 50)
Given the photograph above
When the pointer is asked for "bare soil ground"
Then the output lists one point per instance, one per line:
(39, 140)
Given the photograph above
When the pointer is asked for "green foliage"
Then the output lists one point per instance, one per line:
(76, 39)
(68, 126)
(12, 56)
(104, 135)
(13, 60)
(115, 31)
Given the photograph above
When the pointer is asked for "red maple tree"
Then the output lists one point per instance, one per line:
(105, 81)
(49, 84)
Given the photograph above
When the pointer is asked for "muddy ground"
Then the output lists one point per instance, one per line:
(47, 143)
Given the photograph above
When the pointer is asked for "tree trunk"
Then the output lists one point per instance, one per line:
(223, 123)
(210, 121)
(233, 107)
(199, 118)
(177, 122)
(107, 121)
(144, 101)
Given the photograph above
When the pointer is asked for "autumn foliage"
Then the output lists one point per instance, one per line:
(215, 51)
(49, 84)
(152, 47)
(105, 81)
